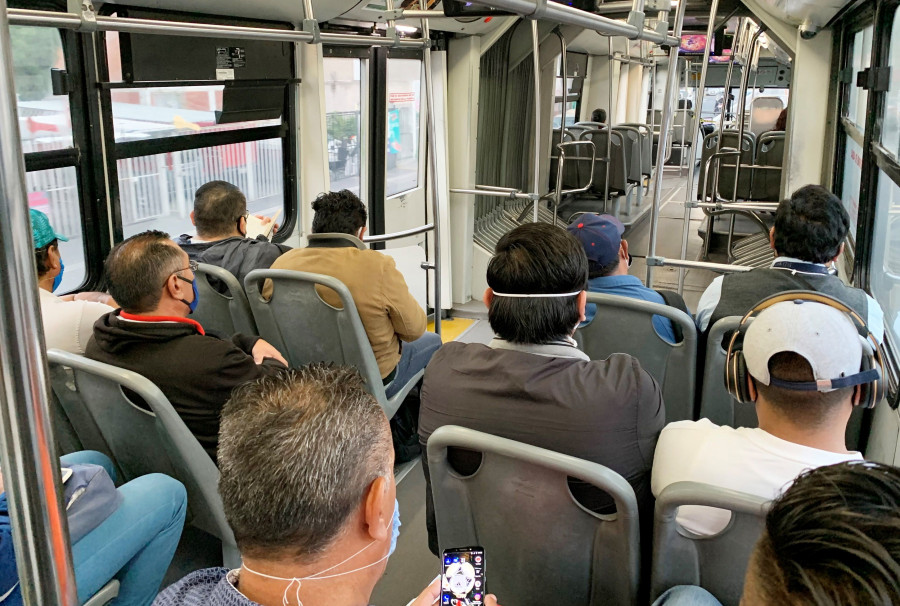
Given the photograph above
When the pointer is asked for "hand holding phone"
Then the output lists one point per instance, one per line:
(462, 577)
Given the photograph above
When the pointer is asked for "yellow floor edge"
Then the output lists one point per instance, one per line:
(452, 328)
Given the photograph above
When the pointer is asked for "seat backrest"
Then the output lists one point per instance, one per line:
(305, 329)
(228, 312)
(715, 402)
(764, 112)
(726, 164)
(631, 138)
(149, 440)
(331, 239)
(625, 325)
(539, 542)
(683, 127)
(67, 402)
(717, 563)
(646, 146)
(618, 180)
(769, 152)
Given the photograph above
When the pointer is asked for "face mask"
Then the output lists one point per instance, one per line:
(193, 304)
(298, 581)
(58, 279)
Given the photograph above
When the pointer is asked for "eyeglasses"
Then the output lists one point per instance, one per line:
(192, 265)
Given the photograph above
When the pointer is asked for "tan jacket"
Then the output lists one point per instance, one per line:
(388, 311)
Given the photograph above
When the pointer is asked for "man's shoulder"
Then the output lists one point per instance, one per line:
(202, 587)
(691, 433)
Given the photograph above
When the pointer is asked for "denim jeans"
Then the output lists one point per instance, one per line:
(414, 356)
(136, 543)
(686, 595)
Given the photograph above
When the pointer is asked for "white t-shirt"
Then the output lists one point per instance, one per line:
(68, 325)
(746, 459)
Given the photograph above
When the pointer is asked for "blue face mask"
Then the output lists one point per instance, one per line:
(395, 530)
(58, 279)
(193, 304)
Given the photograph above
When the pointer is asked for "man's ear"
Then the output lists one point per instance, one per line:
(488, 297)
(54, 260)
(772, 238)
(840, 252)
(582, 303)
(751, 388)
(623, 250)
(379, 508)
(175, 287)
(194, 223)
(362, 232)
(857, 393)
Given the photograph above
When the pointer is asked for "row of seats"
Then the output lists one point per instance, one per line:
(754, 183)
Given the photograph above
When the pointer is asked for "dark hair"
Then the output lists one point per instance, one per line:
(804, 408)
(42, 257)
(297, 452)
(832, 539)
(137, 270)
(595, 270)
(811, 225)
(338, 212)
(598, 115)
(781, 122)
(536, 258)
(218, 206)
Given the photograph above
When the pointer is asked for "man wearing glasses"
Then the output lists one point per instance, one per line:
(152, 280)
(220, 216)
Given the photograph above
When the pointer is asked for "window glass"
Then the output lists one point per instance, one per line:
(852, 177)
(890, 133)
(571, 117)
(860, 59)
(404, 80)
(885, 274)
(343, 119)
(157, 192)
(55, 193)
(44, 119)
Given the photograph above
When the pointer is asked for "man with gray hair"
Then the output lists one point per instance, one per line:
(307, 483)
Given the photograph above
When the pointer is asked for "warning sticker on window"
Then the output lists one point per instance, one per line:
(231, 57)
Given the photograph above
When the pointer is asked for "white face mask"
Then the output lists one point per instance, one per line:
(394, 524)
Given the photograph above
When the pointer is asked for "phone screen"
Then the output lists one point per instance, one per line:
(462, 577)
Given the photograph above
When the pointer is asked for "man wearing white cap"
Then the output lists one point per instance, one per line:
(787, 348)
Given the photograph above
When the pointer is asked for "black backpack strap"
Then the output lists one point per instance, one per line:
(673, 299)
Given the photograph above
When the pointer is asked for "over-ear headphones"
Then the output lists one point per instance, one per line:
(869, 378)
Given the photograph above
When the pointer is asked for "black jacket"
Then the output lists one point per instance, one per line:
(196, 372)
(238, 255)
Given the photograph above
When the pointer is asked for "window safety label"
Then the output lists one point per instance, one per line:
(229, 58)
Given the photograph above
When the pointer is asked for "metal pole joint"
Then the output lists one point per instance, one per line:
(311, 26)
(655, 261)
(85, 11)
(636, 19)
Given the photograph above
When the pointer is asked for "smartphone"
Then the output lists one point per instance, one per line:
(462, 577)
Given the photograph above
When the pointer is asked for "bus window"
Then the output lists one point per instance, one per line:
(860, 59)
(850, 181)
(890, 133)
(404, 87)
(343, 120)
(885, 274)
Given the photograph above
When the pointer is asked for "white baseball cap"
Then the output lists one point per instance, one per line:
(824, 336)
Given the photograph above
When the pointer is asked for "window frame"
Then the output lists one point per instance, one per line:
(364, 56)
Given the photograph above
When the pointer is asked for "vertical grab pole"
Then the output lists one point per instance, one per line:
(667, 114)
(30, 466)
(431, 133)
(563, 47)
(609, 105)
(536, 180)
(701, 93)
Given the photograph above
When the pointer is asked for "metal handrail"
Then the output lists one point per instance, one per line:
(720, 267)
(514, 195)
(400, 234)
(559, 193)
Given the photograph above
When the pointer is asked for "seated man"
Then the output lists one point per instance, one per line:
(69, 319)
(307, 482)
(789, 342)
(153, 281)
(598, 115)
(394, 322)
(830, 540)
(608, 262)
(220, 216)
(808, 236)
(532, 384)
(134, 544)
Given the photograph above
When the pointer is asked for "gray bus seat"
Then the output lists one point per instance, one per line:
(107, 594)
(145, 441)
(305, 329)
(717, 563)
(631, 140)
(715, 402)
(625, 325)
(68, 404)
(764, 112)
(769, 152)
(570, 170)
(727, 165)
(225, 312)
(331, 239)
(67, 440)
(543, 545)
(646, 146)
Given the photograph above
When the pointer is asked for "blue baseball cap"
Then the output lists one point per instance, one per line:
(600, 235)
(41, 230)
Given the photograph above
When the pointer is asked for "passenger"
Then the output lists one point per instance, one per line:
(832, 539)
(598, 115)
(791, 341)
(68, 319)
(808, 236)
(153, 281)
(134, 543)
(220, 216)
(532, 384)
(781, 122)
(608, 263)
(307, 482)
(394, 321)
